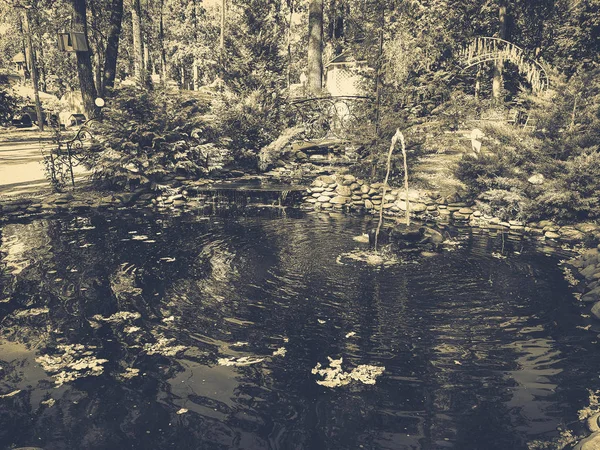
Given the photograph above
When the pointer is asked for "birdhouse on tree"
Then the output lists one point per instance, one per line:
(74, 41)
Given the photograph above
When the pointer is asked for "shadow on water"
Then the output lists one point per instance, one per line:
(142, 330)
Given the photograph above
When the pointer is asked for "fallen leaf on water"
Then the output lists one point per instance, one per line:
(182, 411)
(11, 394)
(349, 335)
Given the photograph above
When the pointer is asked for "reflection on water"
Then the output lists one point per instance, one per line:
(202, 333)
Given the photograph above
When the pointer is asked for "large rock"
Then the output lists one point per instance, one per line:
(538, 178)
(323, 199)
(414, 207)
(592, 442)
(588, 272)
(368, 204)
(340, 200)
(269, 154)
(592, 296)
(344, 191)
(326, 179)
(596, 310)
(365, 188)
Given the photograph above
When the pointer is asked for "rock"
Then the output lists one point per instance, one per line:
(538, 178)
(592, 423)
(350, 178)
(431, 208)
(344, 191)
(323, 199)
(10, 208)
(596, 310)
(476, 213)
(355, 187)
(586, 227)
(318, 189)
(390, 197)
(365, 188)
(592, 296)
(301, 156)
(571, 235)
(326, 179)
(588, 272)
(465, 211)
(317, 183)
(340, 200)
(551, 235)
(592, 442)
(368, 204)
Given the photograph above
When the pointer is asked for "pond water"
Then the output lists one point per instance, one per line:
(135, 330)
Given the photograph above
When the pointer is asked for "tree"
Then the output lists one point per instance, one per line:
(84, 61)
(112, 45)
(315, 46)
(498, 83)
(138, 46)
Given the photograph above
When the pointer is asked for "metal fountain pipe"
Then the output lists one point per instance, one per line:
(397, 135)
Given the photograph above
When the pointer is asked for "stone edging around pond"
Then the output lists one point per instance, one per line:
(348, 193)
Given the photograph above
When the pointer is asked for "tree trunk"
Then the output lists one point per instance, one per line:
(289, 45)
(112, 45)
(138, 49)
(498, 82)
(163, 53)
(84, 62)
(34, 74)
(315, 46)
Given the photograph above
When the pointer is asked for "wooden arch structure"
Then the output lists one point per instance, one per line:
(484, 49)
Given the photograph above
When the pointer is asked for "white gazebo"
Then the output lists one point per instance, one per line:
(342, 76)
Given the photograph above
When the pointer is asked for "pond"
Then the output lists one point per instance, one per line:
(140, 330)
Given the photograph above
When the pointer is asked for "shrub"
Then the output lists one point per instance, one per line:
(147, 135)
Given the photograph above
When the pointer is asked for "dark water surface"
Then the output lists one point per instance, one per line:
(480, 352)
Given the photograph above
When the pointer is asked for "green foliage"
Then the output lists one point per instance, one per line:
(8, 103)
(147, 135)
(245, 123)
(564, 149)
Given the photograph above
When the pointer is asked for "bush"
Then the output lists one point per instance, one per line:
(149, 134)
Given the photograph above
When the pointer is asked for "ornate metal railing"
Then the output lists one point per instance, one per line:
(65, 155)
(331, 116)
(485, 49)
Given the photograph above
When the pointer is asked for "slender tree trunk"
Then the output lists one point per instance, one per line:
(34, 74)
(222, 34)
(289, 45)
(315, 46)
(378, 84)
(84, 62)
(163, 53)
(498, 81)
(138, 48)
(112, 45)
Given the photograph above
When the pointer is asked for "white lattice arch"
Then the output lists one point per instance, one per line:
(484, 49)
